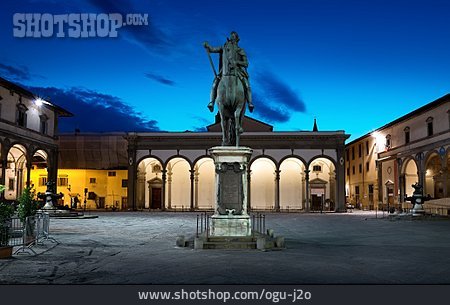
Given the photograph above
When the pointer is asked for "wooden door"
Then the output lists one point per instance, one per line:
(156, 198)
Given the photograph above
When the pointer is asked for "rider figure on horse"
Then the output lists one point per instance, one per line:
(237, 65)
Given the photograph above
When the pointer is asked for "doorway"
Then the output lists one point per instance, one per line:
(156, 198)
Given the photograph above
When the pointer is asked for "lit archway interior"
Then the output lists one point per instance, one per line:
(434, 178)
(178, 188)
(322, 183)
(204, 177)
(410, 177)
(262, 189)
(16, 172)
(39, 173)
(149, 184)
(292, 184)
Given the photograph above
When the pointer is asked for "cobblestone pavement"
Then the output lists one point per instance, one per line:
(139, 248)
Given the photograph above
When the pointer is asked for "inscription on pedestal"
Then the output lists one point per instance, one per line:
(230, 195)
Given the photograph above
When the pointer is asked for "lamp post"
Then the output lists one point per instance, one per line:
(85, 197)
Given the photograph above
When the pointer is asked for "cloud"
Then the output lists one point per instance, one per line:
(149, 36)
(21, 73)
(274, 100)
(271, 113)
(94, 111)
(160, 79)
(201, 127)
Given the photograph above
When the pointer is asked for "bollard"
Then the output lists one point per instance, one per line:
(196, 233)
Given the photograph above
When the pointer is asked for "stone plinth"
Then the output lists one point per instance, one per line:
(230, 225)
(418, 210)
(230, 208)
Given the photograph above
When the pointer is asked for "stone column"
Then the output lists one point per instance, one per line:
(29, 167)
(380, 181)
(444, 168)
(303, 190)
(332, 183)
(421, 171)
(340, 179)
(52, 167)
(3, 177)
(140, 189)
(307, 189)
(277, 190)
(249, 191)
(446, 177)
(402, 186)
(163, 189)
(132, 173)
(169, 188)
(396, 182)
(149, 192)
(196, 179)
(191, 176)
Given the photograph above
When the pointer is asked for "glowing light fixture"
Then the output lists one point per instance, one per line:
(38, 102)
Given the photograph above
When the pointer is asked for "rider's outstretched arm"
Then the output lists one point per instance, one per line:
(212, 49)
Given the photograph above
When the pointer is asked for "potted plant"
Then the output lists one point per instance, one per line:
(26, 210)
(6, 212)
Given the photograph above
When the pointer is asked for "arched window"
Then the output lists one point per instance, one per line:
(21, 114)
(407, 135)
(388, 141)
(430, 126)
(43, 123)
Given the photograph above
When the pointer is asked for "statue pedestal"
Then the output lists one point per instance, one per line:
(230, 209)
(418, 210)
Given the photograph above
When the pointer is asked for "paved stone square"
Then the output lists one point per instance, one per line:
(139, 248)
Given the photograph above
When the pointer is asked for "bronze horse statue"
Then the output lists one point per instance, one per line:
(231, 104)
(232, 89)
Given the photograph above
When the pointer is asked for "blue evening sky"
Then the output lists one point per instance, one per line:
(354, 65)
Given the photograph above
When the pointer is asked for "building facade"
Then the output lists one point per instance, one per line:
(28, 137)
(174, 171)
(300, 171)
(382, 165)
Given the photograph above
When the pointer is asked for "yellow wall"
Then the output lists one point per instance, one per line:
(365, 178)
(79, 179)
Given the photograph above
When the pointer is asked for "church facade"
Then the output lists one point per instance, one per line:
(298, 171)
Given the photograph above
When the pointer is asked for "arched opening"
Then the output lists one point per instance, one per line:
(322, 184)
(204, 188)
(411, 177)
(434, 176)
(16, 172)
(178, 188)
(149, 184)
(292, 184)
(262, 188)
(39, 172)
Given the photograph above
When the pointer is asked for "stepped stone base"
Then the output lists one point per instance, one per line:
(256, 241)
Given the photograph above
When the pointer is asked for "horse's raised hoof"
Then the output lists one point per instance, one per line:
(250, 107)
(241, 130)
(211, 106)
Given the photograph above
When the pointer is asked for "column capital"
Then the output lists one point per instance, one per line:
(277, 174)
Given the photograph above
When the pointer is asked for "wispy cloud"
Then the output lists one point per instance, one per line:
(160, 79)
(94, 111)
(19, 73)
(202, 124)
(149, 36)
(269, 110)
(274, 100)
